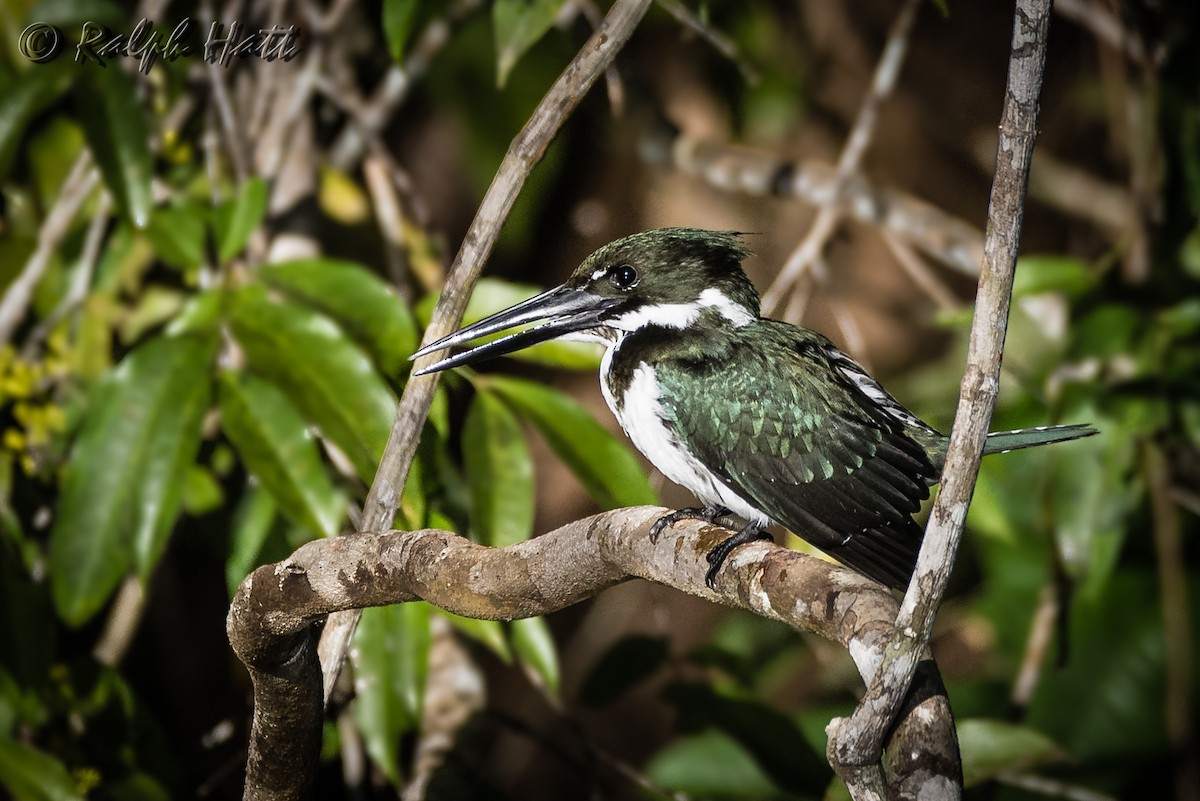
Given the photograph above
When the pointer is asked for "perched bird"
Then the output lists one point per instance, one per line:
(755, 416)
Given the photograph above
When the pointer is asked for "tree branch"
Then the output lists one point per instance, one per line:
(271, 619)
(855, 742)
(523, 154)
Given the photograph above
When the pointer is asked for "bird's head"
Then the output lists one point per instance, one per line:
(669, 277)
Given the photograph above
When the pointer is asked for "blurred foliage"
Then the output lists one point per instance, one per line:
(179, 405)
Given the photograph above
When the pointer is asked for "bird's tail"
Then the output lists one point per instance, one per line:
(1005, 441)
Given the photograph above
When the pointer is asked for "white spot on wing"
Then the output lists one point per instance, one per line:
(871, 388)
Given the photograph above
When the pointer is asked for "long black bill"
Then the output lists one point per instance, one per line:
(563, 310)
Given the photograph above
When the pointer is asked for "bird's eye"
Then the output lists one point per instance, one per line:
(623, 277)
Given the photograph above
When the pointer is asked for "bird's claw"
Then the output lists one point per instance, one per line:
(720, 552)
(708, 514)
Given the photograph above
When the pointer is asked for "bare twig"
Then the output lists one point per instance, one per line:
(81, 281)
(854, 742)
(920, 273)
(524, 152)
(396, 84)
(738, 169)
(17, 296)
(270, 620)
(1041, 634)
(1051, 787)
(886, 72)
(718, 40)
(1098, 20)
(1177, 635)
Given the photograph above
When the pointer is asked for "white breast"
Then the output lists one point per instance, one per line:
(640, 413)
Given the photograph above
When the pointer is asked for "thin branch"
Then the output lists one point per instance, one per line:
(1177, 626)
(81, 281)
(920, 273)
(715, 38)
(525, 151)
(925, 227)
(271, 618)
(855, 741)
(19, 294)
(1051, 787)
(882, 83)
(396, 84)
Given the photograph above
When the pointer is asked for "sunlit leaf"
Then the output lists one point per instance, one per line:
(312, 361)
(114, 122)
(358, 300)
(390, 654)
(606, 467)
(499, 471)
(534, 646)
(518, 25)
(235, 220)
(276, 447)
(123, 483)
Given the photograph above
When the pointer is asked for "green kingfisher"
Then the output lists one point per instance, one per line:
(754, 416)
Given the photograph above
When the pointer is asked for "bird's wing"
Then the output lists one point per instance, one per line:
(802, 441)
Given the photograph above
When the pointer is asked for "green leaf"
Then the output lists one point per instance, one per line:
(710, 765)
(534, 646)
(492, 295)
(35, 89)
(276, 447)
(312, 361)
(398, 17)
(1091, 497)
(499, 472)
(123, 482)
(519, 24)
(32, 775)
(390, 655)
(235, 220)
(362, 304)
(201, 492)
(114, 122)
(775, 740)
(1052, 273)
(991, 747)
(609, 471)
(177, 234)
(252, 523)
(627, 663)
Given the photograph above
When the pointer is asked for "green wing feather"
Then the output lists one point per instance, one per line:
(786, 430)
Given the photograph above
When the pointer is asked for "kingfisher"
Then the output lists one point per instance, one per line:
(758, 418)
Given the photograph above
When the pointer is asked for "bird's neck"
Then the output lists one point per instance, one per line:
(705, 345)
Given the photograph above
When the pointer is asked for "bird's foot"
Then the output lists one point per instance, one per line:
(718, 555)
(708, 514)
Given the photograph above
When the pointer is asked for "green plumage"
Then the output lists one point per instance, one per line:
(755, 415)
